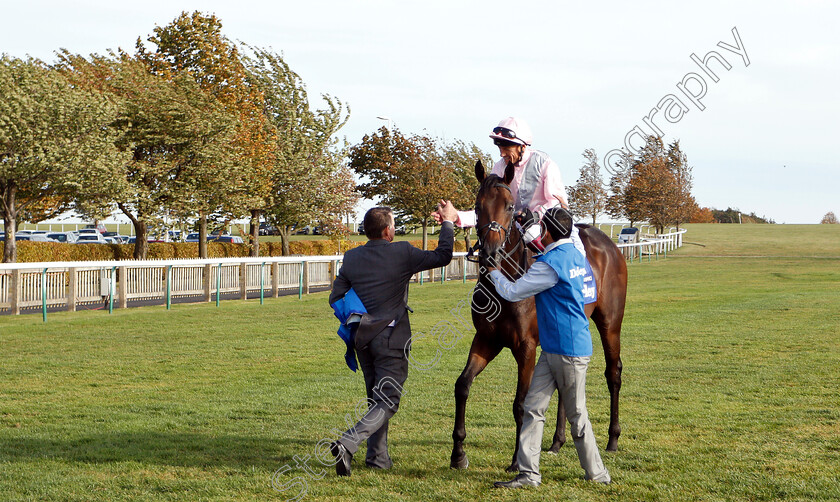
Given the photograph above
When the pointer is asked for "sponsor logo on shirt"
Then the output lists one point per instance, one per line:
(577, 272)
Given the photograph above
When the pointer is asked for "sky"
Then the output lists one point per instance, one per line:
(582, 74)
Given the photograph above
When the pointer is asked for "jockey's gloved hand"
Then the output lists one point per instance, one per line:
(525, 218)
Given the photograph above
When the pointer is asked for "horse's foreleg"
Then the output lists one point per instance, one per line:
(560, 429)
(481, 353)
(524, 356)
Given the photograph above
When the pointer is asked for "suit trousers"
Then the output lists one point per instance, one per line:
(568, 375)
(385, 371)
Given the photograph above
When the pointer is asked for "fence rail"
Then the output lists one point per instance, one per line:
(71, 284)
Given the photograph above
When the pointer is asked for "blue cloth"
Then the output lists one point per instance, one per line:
(563, 325)
(590, 289)
(348, 305)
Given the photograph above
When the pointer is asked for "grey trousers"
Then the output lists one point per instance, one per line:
(385, 371)
(568, 375)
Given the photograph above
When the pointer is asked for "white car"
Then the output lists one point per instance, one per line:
(91, 238)
(69, 237)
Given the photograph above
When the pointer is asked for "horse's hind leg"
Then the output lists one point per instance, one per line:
(481, 353)
(560, 429)
(610, 330)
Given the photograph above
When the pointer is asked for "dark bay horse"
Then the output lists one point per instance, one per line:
(500, 324)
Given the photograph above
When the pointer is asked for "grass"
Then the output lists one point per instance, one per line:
(730, 393)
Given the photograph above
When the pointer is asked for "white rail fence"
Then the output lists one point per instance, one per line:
(71, 284)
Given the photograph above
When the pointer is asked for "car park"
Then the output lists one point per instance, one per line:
(233, 239)
(91, 238)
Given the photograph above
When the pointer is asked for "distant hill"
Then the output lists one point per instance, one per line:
(731, 216)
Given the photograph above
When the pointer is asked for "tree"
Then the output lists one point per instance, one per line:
(309, 179)
(680, 202)
(621, 204)
(702, 215)
(407, 172)
(829, 218)
(194, 43)
(174, 132)
(588, 197)
(460, 159)
(56, 143)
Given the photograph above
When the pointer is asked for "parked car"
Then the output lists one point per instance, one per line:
(69, 237)
(193, 237)
(91, 238)
(233, 239)
(266, 229)
(303, 230)
(39, 238)
(88, 231)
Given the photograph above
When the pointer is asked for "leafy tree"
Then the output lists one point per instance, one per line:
(460, 159)
(194, 43)
(174, 131)
(702, 215)
(680, 202)
(407, 172)
(55, 144)
(829, 218)
(621, 203)
(309, 180)
(588, 197)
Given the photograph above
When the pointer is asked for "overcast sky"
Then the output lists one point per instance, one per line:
(583, 74)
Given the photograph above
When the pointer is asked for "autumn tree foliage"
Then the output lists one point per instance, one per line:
(56, 144)
(407, 172)
(654, 186)
(588, 197)
(702, 215)
(830, 218)
(193, 44)
(309, 179)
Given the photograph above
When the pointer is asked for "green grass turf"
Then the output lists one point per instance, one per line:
(730, 393)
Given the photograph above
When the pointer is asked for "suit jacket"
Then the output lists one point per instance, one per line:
(379, 272)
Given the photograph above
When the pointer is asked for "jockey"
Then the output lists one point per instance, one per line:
(536, 184)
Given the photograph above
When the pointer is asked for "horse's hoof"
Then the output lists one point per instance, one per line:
(462, 463)
(555, 448)
(612, 445)
(514, 467)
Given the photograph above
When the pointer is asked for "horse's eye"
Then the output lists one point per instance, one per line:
(510, 208)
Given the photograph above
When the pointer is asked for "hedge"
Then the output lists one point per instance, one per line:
(30, 252)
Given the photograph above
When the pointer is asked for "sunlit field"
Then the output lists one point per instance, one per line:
(730, 350)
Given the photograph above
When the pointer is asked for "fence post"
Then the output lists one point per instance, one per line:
(208, 290)
(262, 282)
(275, 279)
(306, 279)
(464, 269)
(44, 293)
(72, 285)
(123, 275)
(168, 287)
(218, 283)
(300, 279)
(112, 289)
(243, 281)
(15, 292)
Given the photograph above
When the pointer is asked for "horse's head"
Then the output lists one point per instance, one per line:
(494, 215)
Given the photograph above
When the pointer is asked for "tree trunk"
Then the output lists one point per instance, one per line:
(425, 235)
(285, 231)
(202, 235)
(141, 240)
(467, 232)
(9, 224)
(255, 232)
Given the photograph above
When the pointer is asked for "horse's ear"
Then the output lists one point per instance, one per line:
(508, 174)
(479, 171)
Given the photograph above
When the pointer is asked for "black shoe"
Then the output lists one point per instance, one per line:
(517, 482)
(342, 457)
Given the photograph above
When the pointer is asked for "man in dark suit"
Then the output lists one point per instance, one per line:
(379, 273)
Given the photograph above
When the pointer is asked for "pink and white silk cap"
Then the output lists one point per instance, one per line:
(514, 130)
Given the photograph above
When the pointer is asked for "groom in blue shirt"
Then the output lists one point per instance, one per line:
(557, 280)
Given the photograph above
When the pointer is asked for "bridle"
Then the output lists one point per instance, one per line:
(493, 226)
